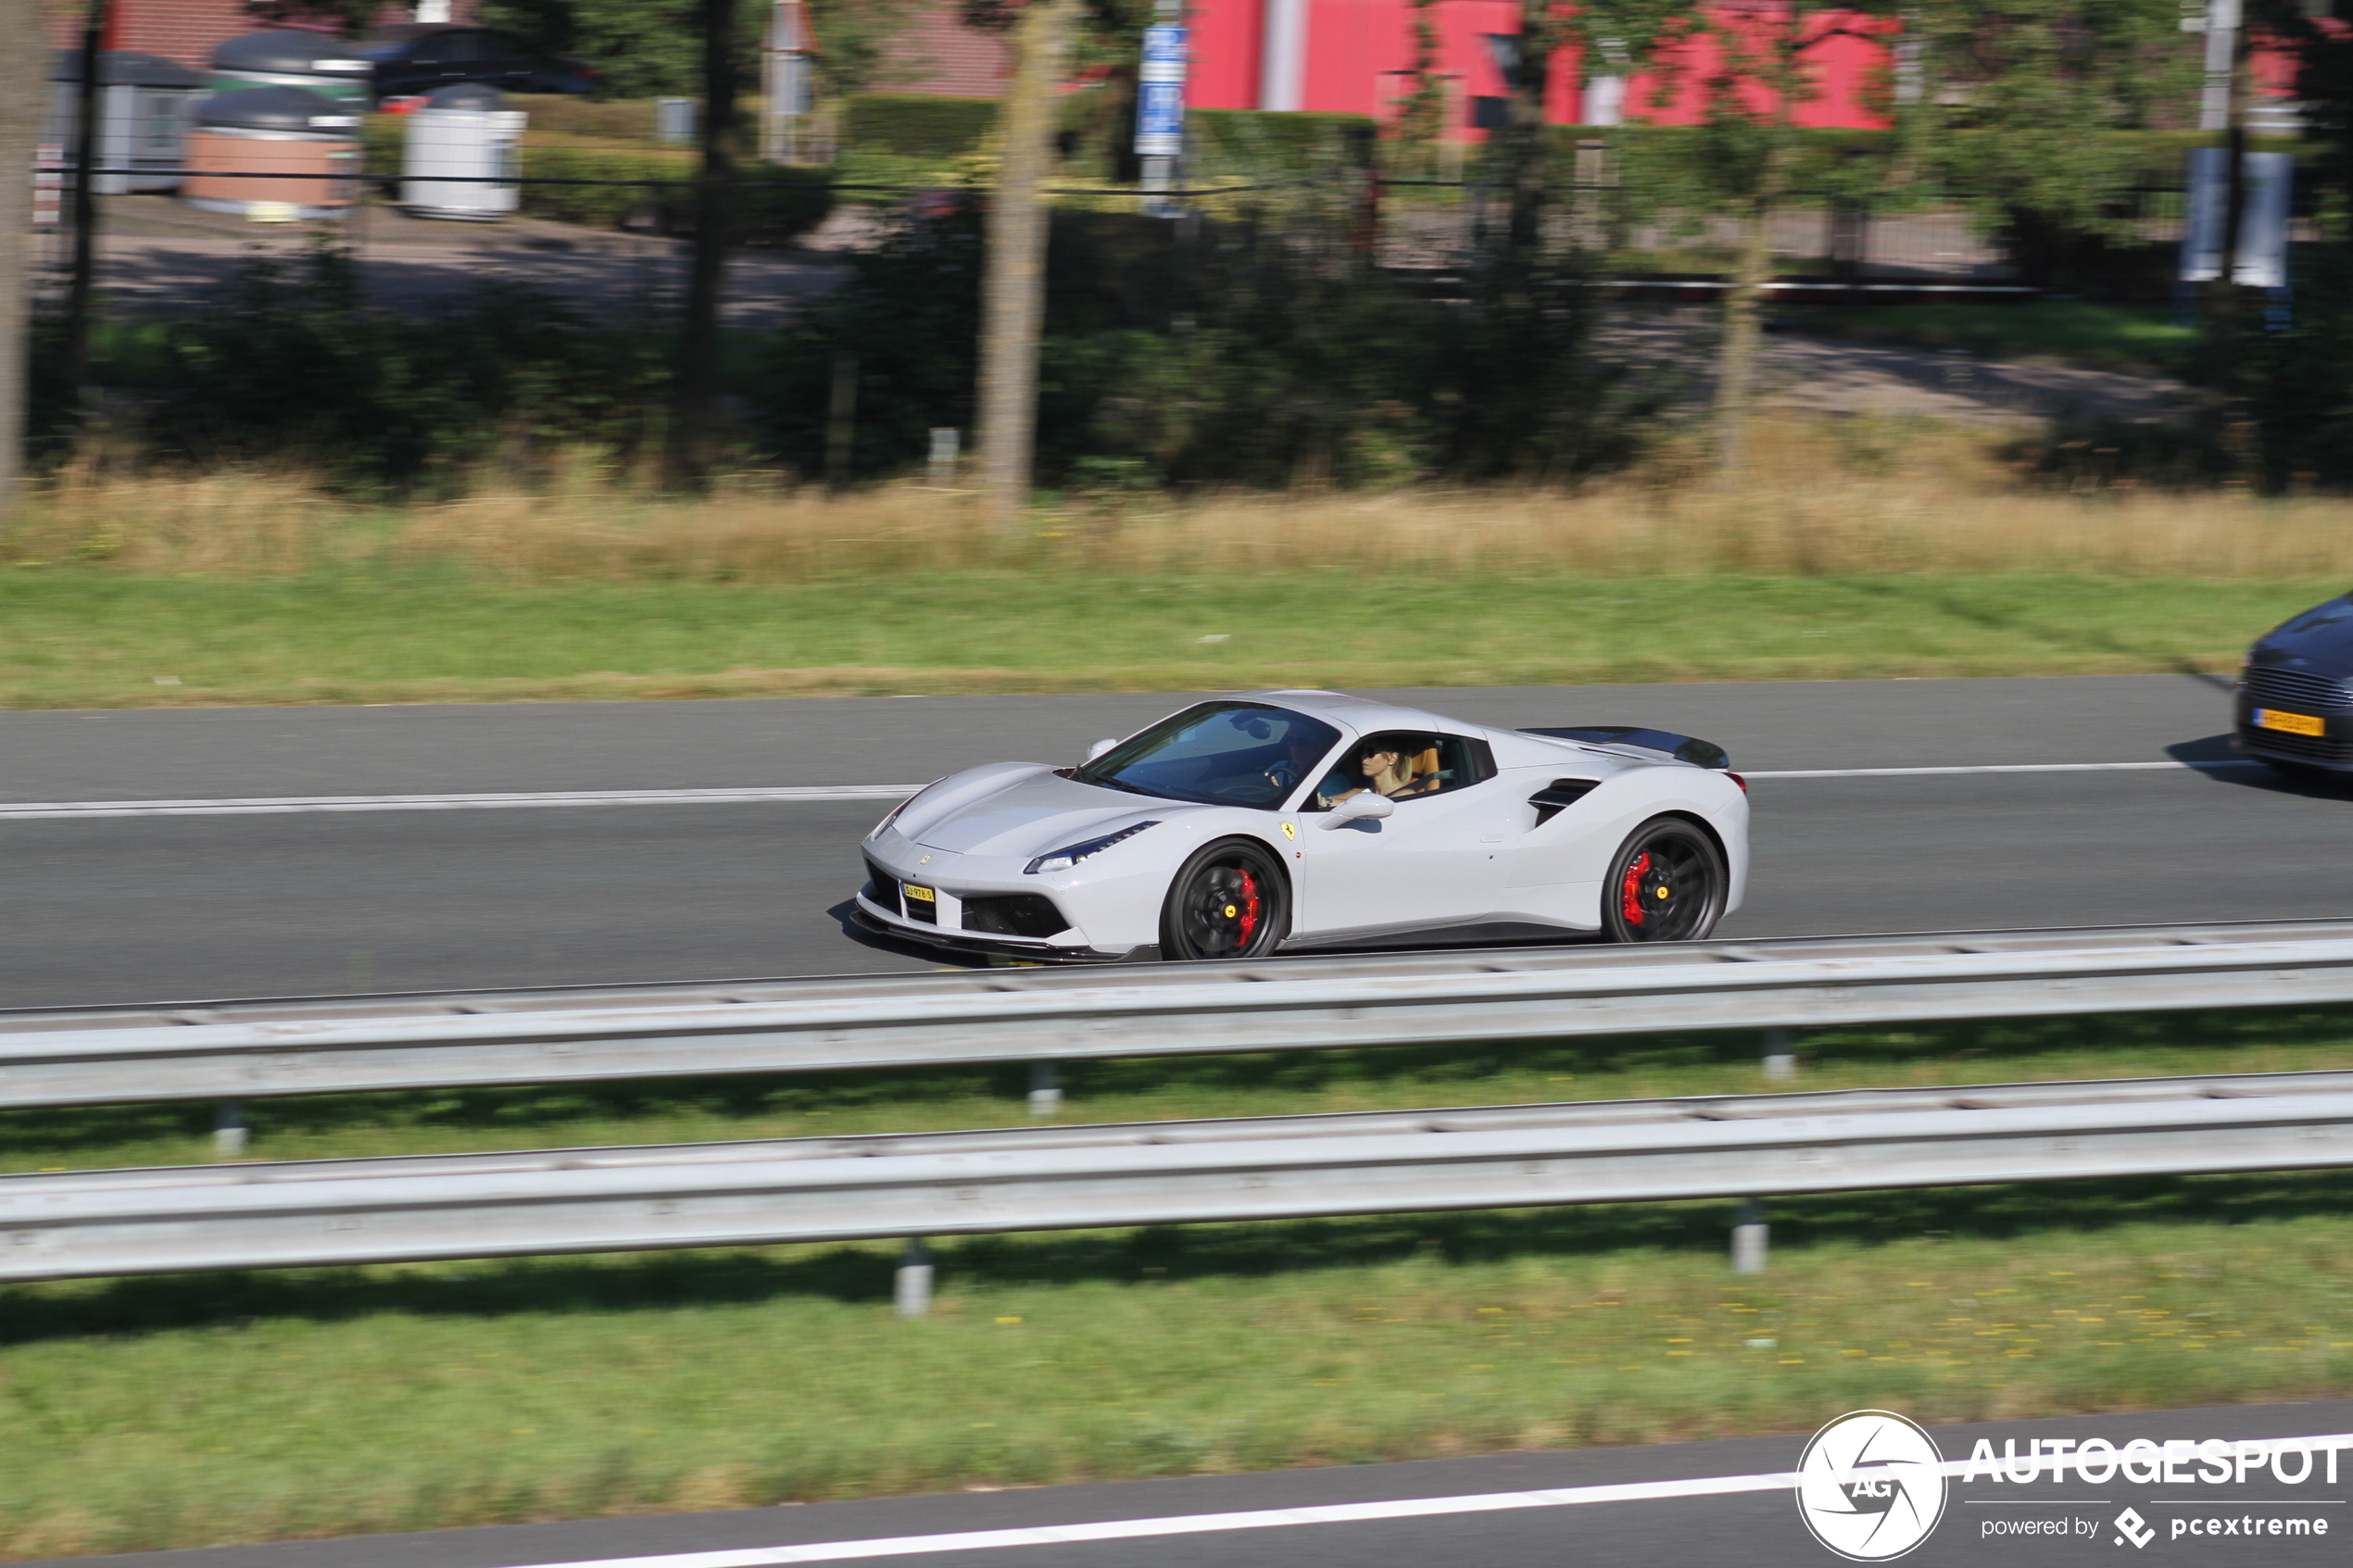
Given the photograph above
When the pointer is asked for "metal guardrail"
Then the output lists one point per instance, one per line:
(354, 1211)
(240, 1050)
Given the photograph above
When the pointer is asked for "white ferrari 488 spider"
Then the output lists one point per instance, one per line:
(1295, 820)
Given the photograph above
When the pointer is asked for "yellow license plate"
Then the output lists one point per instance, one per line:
(2294, 723)
(920, 895)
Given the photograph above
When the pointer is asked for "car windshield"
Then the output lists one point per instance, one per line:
(1222, 754)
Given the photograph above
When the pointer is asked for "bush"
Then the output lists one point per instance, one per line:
(1263, 351)
(774, 204)
(2301, 379)
(918, 125)
(285, 362)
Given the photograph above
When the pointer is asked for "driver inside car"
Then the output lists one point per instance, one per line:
(1384, 769)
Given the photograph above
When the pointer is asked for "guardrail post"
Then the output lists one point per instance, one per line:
(1780, 1058)
(911, 1289)
(228, 1130)
(1045, 1088)
(1749, 1237)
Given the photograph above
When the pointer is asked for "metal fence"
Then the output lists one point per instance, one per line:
(354, 1211)
(237, 1050)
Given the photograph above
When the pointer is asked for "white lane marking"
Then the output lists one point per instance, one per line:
(1275, 1518)
(51, 810)
(2001, 768)
(36, 811)
(1198, 1523)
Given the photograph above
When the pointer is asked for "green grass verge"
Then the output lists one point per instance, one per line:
(311, 1403)
(2117, 337)
(191, 1411)
(78, 638)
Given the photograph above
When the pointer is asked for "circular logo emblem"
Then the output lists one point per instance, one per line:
(1871, 1486)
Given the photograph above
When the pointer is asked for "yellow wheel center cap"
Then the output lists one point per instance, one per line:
(1661, 893)
(1231, 911)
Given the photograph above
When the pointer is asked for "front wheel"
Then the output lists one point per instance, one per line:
(1667, 884)
(1228, 901)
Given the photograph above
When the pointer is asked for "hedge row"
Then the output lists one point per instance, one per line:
(918, 125)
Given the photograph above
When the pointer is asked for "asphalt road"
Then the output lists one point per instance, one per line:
(139, 908)
(1756, 1530)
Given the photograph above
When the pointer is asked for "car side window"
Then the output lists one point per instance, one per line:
(1406, 765)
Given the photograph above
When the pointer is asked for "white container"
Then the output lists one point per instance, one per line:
(143, 106)
(461, 147)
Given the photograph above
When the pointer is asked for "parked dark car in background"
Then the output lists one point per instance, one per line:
(2293, 707)
(418, 58)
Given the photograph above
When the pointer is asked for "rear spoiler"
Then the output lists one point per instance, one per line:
(1683, 748)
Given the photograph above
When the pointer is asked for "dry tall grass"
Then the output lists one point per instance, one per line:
(1822, 499)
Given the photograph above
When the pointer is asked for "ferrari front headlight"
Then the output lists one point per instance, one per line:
(1070, 855)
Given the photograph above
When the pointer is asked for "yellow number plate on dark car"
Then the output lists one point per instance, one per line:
(920, 895)
(2294, 723)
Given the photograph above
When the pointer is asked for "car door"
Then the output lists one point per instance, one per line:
(1434, 860)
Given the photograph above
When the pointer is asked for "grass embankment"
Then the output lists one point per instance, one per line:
(76, 640)
(1853, 550)
(193, 1411)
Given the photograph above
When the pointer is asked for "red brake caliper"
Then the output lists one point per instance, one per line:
(1629, 891)
(1250, 906)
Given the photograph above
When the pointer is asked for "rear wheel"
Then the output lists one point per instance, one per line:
(1666, 883)
(1228, 901)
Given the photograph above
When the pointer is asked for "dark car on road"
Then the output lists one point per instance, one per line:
(2292, 706)
(419, 58)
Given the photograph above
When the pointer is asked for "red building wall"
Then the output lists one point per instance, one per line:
(188, 30)
(1358, 51)
(937, 53)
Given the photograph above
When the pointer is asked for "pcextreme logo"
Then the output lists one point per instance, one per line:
(1871, 1486)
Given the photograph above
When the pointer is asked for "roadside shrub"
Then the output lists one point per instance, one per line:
(918, 125)
(286, 362)
(774, 204)
(1263, 351)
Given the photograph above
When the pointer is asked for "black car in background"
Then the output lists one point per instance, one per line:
(2292, 706)
(417, 57)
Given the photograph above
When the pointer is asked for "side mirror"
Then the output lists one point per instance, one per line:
(1367, 807)
(1099, 748)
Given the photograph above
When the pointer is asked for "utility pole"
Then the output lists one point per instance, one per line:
(1012, 302)
(81, 284)
(694, 424)
(24, 102)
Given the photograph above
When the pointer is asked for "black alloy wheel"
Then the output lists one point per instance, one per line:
(1667, 884)
(1230, 901)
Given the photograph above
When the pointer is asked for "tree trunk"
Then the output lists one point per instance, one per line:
(1743, 310)
(694, 432)
(1528, 172)
(24, 103)
(1013, 287)
(81, 284)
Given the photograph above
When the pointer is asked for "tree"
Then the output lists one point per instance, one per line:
(1753, 70)
(2018, 98)
(694, 432)
(23, 104)
(648, 48)
(1013, 287)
